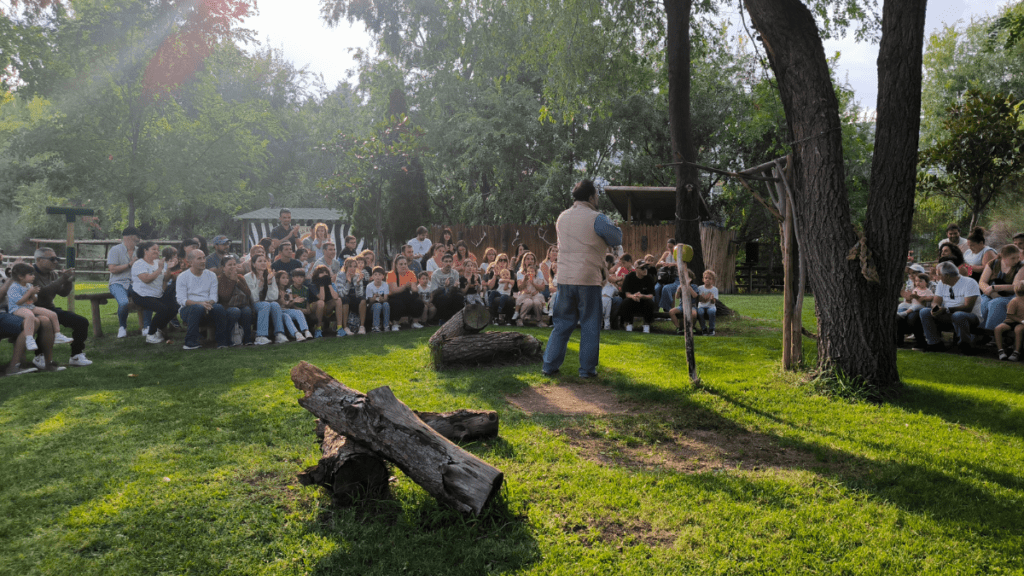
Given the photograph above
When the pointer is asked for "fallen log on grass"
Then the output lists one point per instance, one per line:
(379, 422)
(487, 348)
(470, 320)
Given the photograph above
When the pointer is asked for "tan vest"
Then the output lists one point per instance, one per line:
(580, 250)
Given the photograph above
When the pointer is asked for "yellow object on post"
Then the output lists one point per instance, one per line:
(687, 252)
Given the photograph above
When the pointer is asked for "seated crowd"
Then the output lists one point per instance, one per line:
(292, 288)
(974, 291)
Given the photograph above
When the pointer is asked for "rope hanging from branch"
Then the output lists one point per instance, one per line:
(861, 251)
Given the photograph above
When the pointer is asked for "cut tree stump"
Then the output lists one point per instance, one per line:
(380, 423)
(487, 348)
(470, 320)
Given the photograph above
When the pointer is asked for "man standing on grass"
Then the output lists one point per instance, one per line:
(52, 284)
(196, 289)
(584, 235)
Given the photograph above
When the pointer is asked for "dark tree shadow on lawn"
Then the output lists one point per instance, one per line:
(675, 418)
(955, 408)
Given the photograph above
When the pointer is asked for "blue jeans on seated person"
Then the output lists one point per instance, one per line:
(666, 300)
(243, 317)
(575, 304)
(293, 318)
(962, 322)
(706, 314)
(993, 310)
(376, 309)
(120, 294)
(193, 315)
(265, 312)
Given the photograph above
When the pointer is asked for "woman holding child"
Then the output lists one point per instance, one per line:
(234, 295)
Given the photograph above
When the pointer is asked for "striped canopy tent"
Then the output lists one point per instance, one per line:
(258, 224)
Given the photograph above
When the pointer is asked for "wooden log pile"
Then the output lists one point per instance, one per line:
(360, 432)
(459, 342)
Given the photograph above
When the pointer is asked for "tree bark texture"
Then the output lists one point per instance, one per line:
(470, 320)
(487, 348)
(349, 471)
(381, 423)
(690, 210)
(855, 315)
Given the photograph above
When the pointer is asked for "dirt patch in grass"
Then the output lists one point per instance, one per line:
(694, 451)
(622, 532)
(571, 399)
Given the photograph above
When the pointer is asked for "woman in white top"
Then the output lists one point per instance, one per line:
(317, 241)
(978, 255)
(148, 290)
(264, 291)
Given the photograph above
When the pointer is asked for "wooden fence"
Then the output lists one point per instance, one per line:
(638, 240)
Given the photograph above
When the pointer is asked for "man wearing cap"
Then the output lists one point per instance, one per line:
(221, 245)
(119, 262)
(53, 283)
(584, 235)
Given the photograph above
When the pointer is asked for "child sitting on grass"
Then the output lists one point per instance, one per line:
(917, 298)
(1014, 322)
(21, 297)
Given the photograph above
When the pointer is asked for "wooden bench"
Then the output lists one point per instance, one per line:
(99, 299)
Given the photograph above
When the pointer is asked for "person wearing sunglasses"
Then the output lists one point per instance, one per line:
(53, 282)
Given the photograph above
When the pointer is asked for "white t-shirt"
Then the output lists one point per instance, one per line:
(962, 244)
(975, 259)
(372, 290)
(956, 294)
(421, 247)
(609, 290)
(154, 289)
(702, 290)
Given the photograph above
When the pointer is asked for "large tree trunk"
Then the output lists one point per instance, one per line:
(689, 208)
(855, 313)
(381, 423)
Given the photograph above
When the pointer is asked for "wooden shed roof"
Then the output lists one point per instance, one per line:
(297, 214)
(652, 203)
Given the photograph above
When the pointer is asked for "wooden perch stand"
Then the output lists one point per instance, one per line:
(379, 424)
(459, 342)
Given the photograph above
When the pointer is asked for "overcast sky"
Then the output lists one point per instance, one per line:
(295, 27)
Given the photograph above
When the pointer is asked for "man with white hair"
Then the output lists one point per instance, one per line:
(957, 303)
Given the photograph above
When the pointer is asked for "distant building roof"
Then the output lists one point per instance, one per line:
(652, 203)
(297, 214)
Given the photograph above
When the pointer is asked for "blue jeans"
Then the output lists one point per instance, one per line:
(193, 315)
(376, 309)
(243, 317)
(498, 303)
(708, 314)
(121, 295)
(293, 318)
(962, 323)
(582, 304)
(993, 310)
(667, 297)
(265, 312)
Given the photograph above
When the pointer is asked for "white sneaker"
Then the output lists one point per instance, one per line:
(607, 324)
(647, 328)
(121, 332)
(348, 332)
(629, 327)
(262, 341)
(394, 327)
(417, 325)
(299, 337)
(59, 338)
(39, 362)
(154, 338)
(516, 315)
(280, 338)
(79, 360)
(308, 335)
(362, 330)
(30, 343)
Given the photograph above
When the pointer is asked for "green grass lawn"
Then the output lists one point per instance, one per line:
(158, 461)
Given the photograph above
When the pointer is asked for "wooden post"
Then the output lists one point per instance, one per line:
(684, 283)
(70, 214)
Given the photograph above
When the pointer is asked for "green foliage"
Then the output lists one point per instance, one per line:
(983, 149)
(835, 383)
